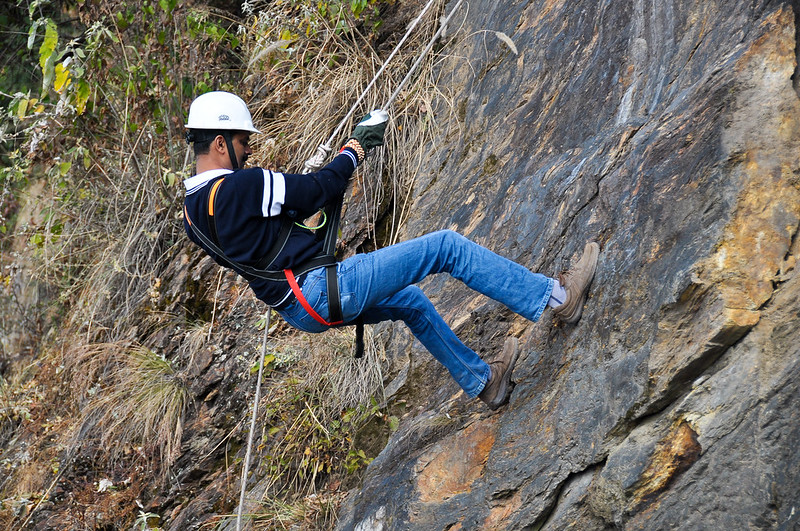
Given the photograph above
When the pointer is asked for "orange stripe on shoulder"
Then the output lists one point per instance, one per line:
(212, 195)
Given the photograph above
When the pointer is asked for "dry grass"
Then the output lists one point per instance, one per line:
(345, 381)
(134, 402)
(128, 246)
(315, 511)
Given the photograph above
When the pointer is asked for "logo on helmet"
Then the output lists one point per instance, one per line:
(224, 118)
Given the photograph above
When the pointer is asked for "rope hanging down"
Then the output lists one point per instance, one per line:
(256, 399)
(352, 110)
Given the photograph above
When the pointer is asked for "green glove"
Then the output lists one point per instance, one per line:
(369, 132)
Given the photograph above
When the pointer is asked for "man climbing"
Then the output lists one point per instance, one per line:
(248, 220)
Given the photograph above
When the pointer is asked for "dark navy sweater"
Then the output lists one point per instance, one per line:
(250, 207)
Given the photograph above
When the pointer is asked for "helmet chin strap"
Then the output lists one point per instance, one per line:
(229, 141)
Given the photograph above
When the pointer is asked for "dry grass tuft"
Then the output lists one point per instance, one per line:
(129, 247)
(315, 511)
(135, 402)
(345, 381)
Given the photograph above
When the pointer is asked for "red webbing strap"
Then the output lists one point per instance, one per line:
(303, 302)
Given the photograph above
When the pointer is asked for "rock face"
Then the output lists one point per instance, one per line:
(669, 132)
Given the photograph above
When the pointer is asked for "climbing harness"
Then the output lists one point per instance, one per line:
(262, 268)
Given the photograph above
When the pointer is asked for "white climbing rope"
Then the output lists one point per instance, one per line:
(378, 74)
(421, 56)
(246, 467)
(317, 160)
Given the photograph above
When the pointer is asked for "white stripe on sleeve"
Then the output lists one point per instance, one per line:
(352, 157)
(274, 193)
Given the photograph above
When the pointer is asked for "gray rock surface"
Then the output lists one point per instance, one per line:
(669, 132)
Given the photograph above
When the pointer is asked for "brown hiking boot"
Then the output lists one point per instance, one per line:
(576, 283)
(498, 388)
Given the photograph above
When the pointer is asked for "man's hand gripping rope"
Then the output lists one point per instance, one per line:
(368, 134)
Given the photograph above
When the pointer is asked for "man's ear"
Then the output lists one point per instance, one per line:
(219, 145)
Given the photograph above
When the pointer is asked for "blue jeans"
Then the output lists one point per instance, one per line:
(379, 287)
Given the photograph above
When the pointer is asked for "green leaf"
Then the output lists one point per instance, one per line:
(269, 358)
(48, 73)
(32, 7)
(48, 47)
(64, 167)
(22, 108)
(168, 5)
(122, 22)
(47, 55)
(32, 33)
(358, 6)
(82, 94)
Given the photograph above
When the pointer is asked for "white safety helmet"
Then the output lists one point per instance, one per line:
(220, 111)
